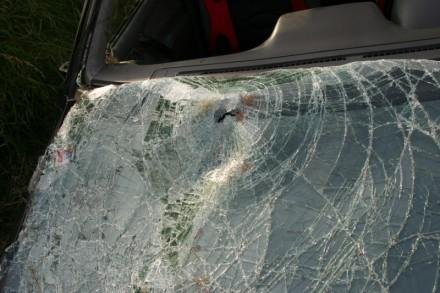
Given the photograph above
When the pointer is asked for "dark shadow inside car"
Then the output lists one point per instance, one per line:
(169, 30)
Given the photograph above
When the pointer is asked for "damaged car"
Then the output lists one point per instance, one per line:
(241, 146)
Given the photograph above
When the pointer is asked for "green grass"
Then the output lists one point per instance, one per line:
(36, 36)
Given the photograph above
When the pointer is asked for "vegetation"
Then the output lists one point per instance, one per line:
(36, 36)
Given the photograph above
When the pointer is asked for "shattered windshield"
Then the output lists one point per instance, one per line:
(298, 180)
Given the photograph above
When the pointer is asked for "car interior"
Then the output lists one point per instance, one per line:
(170, 30)
(160, 38)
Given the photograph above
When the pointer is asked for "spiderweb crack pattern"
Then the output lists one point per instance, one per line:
(320, 180)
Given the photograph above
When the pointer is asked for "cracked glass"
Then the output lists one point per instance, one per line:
(297, 180)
